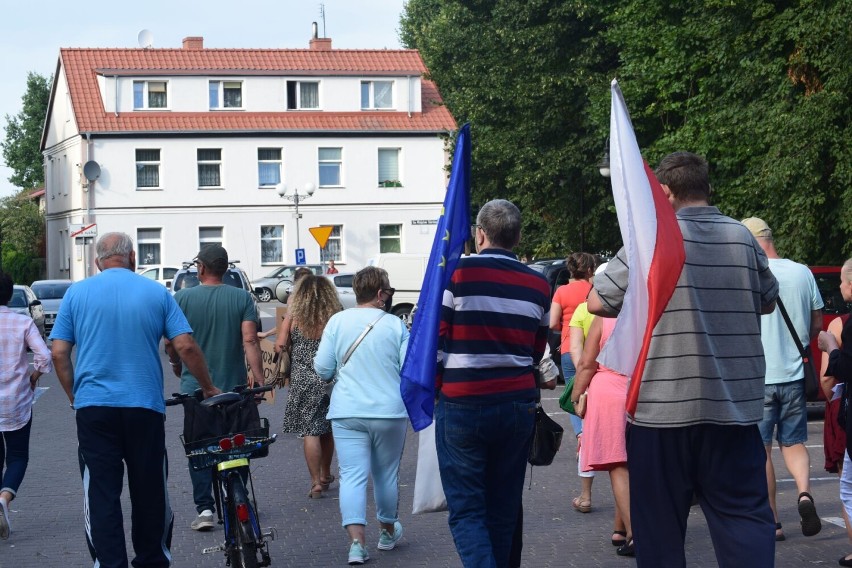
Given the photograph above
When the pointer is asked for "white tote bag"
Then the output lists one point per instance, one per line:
(428, 490)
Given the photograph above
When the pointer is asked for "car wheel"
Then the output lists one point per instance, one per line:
(402, 312)
(264, 295)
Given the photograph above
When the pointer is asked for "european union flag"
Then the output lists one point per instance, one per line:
(418, 370)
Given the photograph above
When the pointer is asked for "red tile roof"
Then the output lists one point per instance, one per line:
(82, 67)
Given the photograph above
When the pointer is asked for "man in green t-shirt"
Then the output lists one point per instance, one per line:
(223, 321)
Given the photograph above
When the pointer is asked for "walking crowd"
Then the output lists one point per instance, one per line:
(724, 379)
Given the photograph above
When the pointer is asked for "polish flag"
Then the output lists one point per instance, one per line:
(654, 246)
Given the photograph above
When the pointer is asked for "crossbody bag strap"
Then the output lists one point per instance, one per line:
(361, 337)
(791, 328)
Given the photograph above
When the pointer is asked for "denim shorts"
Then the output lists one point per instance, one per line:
(784, 405)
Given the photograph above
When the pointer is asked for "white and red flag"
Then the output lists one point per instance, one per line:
(654, 246)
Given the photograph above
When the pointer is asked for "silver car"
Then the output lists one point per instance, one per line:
(264, 288)
(50, 293)
(342, 283)
(24, 302)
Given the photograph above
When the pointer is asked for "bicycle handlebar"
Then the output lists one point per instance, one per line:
(242, 390)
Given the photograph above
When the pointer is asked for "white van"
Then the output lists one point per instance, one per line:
(406, 273)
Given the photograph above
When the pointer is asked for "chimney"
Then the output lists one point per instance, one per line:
(193, 42)
(319, 43)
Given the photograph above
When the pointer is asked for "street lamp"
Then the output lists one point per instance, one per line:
(603, 166)
(296, 198)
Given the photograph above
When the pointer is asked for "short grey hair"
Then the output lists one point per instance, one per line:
(846, 271)
(114, 244)
(500, 220)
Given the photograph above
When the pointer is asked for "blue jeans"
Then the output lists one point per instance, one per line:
(369, 447)
(785, 404)
(14, 455)
(482, 454)
(202, 489)
(568, 371)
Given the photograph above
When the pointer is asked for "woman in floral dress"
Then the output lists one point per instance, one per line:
(310, 306)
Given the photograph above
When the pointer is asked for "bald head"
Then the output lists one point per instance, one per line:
(846, 271)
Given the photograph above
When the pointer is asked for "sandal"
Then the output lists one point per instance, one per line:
(845, 561)
(326, 483)
(315, 492)
(581, 505)
(626, 549)
(779, 534)
(811, 524)
(619, 541)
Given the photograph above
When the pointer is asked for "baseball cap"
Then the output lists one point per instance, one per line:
(214, 256)
(758, 227)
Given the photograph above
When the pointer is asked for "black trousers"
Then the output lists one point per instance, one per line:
(109, 439)
(725, 467)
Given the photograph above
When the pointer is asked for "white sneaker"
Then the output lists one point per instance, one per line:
(357, 553)
(5, 527)
(204, 521)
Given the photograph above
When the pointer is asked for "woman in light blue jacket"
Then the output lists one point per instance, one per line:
(364, 348)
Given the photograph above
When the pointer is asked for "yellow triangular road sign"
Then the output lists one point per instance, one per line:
(321, 234)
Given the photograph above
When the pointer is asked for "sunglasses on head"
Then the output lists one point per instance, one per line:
(390, 291)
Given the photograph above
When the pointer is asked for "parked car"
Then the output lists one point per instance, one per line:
(343, 284)
(264, 287)
(406, 273)
(50, 293)
(187, 277)
(24, 301)
(160, 272)
(828, 282)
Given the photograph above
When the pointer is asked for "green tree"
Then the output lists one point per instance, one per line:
(22, 236)
(759, 87)
(23, 134)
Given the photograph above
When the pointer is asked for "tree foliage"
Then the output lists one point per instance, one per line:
(22, 235)
(761, 88)
(23, 134)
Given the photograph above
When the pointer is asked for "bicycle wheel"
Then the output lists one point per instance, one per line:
(243, 551)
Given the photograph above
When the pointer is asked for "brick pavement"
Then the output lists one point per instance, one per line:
(48, 530)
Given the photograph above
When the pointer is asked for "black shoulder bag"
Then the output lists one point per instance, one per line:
(811, 380)
(547, 434)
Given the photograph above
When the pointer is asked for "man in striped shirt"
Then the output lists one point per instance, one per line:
(494, 325)
(695, 426)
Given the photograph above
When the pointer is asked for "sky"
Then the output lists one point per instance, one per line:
(32, 34)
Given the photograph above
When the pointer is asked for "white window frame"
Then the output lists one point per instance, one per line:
(149, 240)
(282, 239)
(220, 96)
(218, 162)
(339, 163)
(397, 237)
(146, 98)
(211, 239)
(388, 181)
(371, 95)
(297, 104)
(279, 162)
(340, 257)
(157, 163)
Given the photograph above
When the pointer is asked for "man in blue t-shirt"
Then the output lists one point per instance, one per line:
(784, 401)
(116, 320)
(223, 324)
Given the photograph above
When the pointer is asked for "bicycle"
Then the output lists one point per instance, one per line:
(228, 456)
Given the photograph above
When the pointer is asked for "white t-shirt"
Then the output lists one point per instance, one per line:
(799, 292)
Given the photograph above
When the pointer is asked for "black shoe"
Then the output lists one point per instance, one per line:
(626, 549)
(811, 524)
(844, 562)
(779, 537)
(619, 541)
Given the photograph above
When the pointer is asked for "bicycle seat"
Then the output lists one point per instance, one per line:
(222, 398)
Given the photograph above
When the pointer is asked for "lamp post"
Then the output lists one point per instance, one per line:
(296, 198)
(603, 168)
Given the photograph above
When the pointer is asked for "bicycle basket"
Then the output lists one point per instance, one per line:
(204, 454)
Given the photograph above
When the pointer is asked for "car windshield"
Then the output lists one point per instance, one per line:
(19, 300)
(190, 280)
(51, 291)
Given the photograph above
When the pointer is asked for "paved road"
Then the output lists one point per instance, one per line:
(48, 531)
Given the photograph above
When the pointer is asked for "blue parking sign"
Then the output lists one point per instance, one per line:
(300, 256)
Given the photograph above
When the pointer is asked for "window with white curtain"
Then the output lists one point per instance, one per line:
(390, 238)
(268, 167)
(330, 166)
(389, 167)
(150, 95)
(302, 95)
(209, 236)
(209, 167)
(148, 242)
(376, 94)
(271, 244)
(226, 94)
(147, 168)
(333, 249)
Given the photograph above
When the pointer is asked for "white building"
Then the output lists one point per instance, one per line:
(191, 145)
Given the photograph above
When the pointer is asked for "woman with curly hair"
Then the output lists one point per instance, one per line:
(312, 303)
